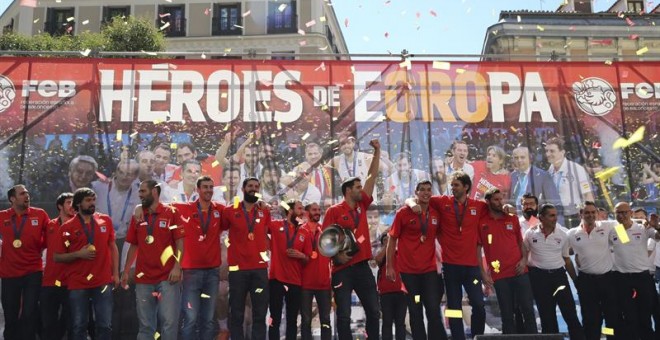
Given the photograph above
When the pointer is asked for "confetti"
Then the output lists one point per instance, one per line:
(460, 71)
(139, 275)
(339, 285)
(454, 313)
(636, 137)
(189, 305)
(305, 136)
(417, 298)
(70, 19)
(119, 135)
(621, 232)
(215, 163)
(237, 201)
(361, 239)
(441, 65)
(322, 19)
(258, 290)
(476, 281)
(282, 7)
(35, 20)
(58, 283)
(223, 95)
(264, 256)
(166, 254)
(607, 173)
(558, 289)
(89, 277)
(86, 53)
(156, 335)
(490, 238)
(104, 289)
(173, 146)
(496, 266)
(246, 13)
(433, 13)
(85, 22)
(285, 205)
(223, 188)
(634, 293)
(233, 268)
(405, 64)
(642, 50)
(204, 296)
(67, 243)
(540, 28)
(310, 23)
(346, 22)
(207, 11)
(167, 24)
(607, 331)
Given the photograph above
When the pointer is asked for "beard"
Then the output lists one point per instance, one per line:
(147, 202)
(89, 211)
(528, 213)
(250, 198)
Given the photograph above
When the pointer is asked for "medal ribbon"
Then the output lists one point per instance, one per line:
(459, 220)
(356, 217)
(425, 224)
(289, 241)
(250, 224)
(18, 231)
(89, 230)
(204, 224)
(151, 221)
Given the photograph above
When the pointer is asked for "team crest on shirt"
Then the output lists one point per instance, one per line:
(261, 213)
(434, 221)
(473, 211)
(412, 221)
(558, 240)
(216, 214)
(637, 236)
(534, 240)
(359, 210)
(302, 238)
(162, 224)
(103, 229)
(509, 226)
(345, 218)
(578, 238)
(34, 222)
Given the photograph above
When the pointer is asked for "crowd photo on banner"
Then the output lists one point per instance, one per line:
(394, 211)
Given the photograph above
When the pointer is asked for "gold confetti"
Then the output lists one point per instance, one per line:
(237, 201)
(606, 174)
(475, 281)
(490, 238)
(322, 19)
(58, 283)
(204, 296)
(215, 163)
(67, 243)
(89, 277)
(233, 268)
(496, 266)
(642, 50)
(558, 289)
(223, 188)
(621, 232)
(454, 313)
(417, 298)
(405, 64)
(608, 331)
(636, 137)
(285, 205)
(166, 254)
(157, 335)
(540, 28)
(460, 71)
(139, 275)
(119, 135)
(173, 145)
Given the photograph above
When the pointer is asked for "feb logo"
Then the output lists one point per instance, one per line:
(7, 93)
(594, 96)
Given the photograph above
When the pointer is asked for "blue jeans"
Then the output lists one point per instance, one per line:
(516, 292)
(159, 311)
(468, 278)
(360, 279)
(101, 299)
(198, 322)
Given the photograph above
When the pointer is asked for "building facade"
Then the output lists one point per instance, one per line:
(236, 27)
(574, 32)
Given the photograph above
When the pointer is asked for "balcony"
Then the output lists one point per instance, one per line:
(57, 28)
(222, 26)
(282, 23)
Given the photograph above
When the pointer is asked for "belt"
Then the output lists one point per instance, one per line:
(593, 275)
(548, 271)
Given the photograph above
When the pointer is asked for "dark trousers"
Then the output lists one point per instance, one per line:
(393, 306)
(360, 279)
(635, 296)
(545, 285)
(242, 283)
(124, 313)
(598, 301)
(423, 294)
(20, 299)
(323, 303)
(516, 293)
(458, 278)
(280, 291)
(55, 321)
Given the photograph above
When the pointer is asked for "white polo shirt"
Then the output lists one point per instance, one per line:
(572, 181)
(632, 257)
(593, 248)
(546, 252)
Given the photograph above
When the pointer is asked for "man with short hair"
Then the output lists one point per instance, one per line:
(530, 212)
(315, 280)
(528, 178)
(163, 170)
(146, 161)
(271, 189)
(158, 245)
(82, 171)
(414, 237)
(459, 152)
(352, 272)
(22, 232)
(290, 249)
(403, 179)
(88, 247)
(247, 259)
(210, 165)
(634, 285)
(54, 294)
(322, 178)
(506, 259)
(353, 163)
(595, 281)
(548, 263)
(571, 180)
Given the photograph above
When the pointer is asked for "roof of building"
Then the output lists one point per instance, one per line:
(578, 18)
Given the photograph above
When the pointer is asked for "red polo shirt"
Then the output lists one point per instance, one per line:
(459, 243)
(282, 267)
(84, 274)
(505, 238)
(17, 262)
(243, 253)
(316, 273)
(167, 228)
(413, 255)
(215, 172)
(343, 215)
(54, 271)
(202, 250)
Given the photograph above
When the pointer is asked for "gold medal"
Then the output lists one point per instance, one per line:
(423, 238)
(251, 236)
(149, 239)
(314, 255)
(91, 247)
(17, 244)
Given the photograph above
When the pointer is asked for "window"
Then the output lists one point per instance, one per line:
(635, 6)
(9, 27)
(282, 55)
(282, 17)
(172, 20)
(110, 12)
(60, 21)
(227, 19)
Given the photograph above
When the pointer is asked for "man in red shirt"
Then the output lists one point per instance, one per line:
(506, 258)
(392, 294)
(89, 249)
(461, 263)
(247, 257)
(315, 279)
(201, 262)
(54, 294)
(22, 232)
(290, 249)
(414, 237)
(353, 272)
(158, 245)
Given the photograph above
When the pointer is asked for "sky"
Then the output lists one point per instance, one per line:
(420, 26)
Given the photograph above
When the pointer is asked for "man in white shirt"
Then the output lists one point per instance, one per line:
(459, 151)
(631, 263)
(548, 250)
(352, 163)
(186, 189)
(404, 178)
(571, 180)
(595, 283)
